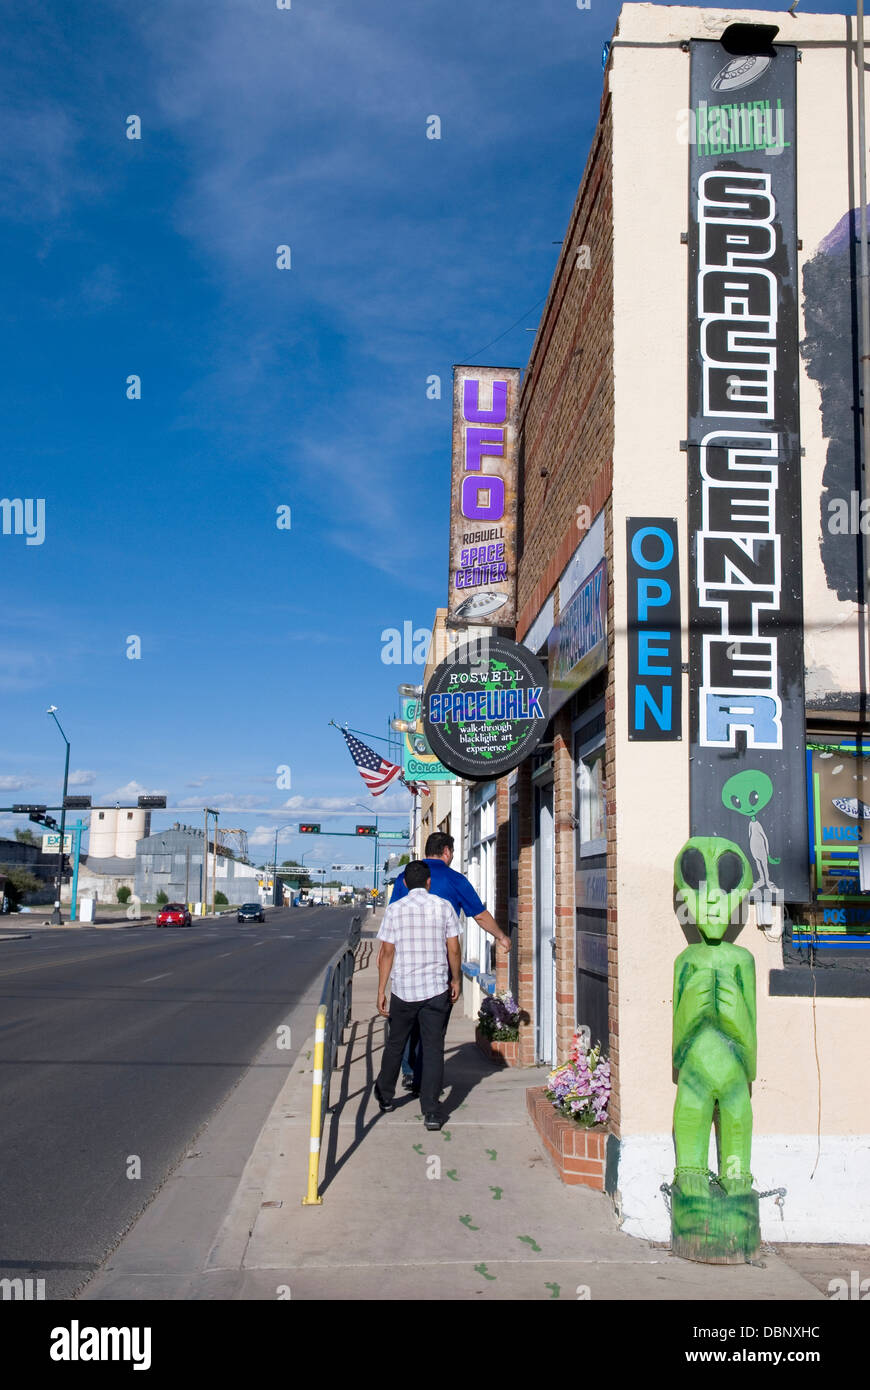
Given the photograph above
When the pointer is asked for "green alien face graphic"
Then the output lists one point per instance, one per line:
(712, 877)
(747, 792)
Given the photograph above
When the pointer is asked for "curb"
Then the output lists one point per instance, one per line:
(231, 1242)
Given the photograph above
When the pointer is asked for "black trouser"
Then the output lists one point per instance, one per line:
(431, 1015)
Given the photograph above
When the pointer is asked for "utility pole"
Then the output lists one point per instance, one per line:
(214, 865)
(56, 917)
(208, 812)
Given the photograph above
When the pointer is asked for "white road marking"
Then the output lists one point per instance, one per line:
(224, 953)
(151, 978)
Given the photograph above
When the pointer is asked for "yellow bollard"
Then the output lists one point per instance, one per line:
(312, 1198)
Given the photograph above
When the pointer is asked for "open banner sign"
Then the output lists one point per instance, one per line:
(654, 665)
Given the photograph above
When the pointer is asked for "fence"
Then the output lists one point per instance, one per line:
(333, 1016)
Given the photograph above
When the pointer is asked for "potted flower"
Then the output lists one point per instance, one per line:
(570, 1115)
(580, 1089)
(498, 1028)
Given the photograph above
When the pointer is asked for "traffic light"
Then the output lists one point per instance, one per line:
(40, 818)
(366, 830)
(32, 811)
(76, 803)
(309, 830)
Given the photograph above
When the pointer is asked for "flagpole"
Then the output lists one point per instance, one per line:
(341, 729)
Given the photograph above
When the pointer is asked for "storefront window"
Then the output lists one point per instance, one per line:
(481, 870)
(591, 801)
(590, 879)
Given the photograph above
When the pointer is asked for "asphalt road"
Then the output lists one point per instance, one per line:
(120, 1044)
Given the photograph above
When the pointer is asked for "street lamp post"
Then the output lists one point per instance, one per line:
(207, 811)
(275, 863)
(57, 919)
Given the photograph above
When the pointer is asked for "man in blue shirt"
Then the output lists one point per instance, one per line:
(447, 883)
(454, 887)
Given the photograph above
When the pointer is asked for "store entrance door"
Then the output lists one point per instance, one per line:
(545, 927)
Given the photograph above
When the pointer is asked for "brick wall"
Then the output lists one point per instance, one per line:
(566, 406)
(566, 443)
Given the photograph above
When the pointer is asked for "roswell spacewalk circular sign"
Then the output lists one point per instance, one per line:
(486, 707)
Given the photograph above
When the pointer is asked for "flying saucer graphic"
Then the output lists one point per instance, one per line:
(740, 72)
(852, 806)
(481, 605)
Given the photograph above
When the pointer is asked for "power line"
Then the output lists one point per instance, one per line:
(507, 330)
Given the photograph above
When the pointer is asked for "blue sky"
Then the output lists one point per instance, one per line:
(260, 387)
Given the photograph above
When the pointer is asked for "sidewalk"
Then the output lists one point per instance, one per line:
(472, 1212)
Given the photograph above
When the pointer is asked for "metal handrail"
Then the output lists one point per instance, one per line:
(333, 1016)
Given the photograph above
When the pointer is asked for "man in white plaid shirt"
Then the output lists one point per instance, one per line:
(420, 945)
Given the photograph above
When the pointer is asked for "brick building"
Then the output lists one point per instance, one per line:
(576, 846)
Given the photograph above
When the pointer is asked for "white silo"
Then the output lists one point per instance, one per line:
(114, 833)
(104, 830)
(130, 827)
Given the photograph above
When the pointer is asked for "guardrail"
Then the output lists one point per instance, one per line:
(333, 1016)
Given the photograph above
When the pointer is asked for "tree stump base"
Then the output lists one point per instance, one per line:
(715, 1228)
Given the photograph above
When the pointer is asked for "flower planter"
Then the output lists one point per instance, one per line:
(504, 1054)
(578, 1154)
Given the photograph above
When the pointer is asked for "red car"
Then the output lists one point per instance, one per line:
(173, 915)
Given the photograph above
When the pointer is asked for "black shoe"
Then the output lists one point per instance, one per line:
(386, 1106)
(408, 1083)
(431, 1120)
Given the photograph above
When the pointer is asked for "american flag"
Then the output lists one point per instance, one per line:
(415, 788)
(375, 771)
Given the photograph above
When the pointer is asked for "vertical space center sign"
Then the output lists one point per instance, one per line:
(746, 721)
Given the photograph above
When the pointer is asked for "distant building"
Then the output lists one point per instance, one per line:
(171, 861)
(20, 854)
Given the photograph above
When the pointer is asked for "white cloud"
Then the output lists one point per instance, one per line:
(81, 778)
(130, 792)
(219, 801)
(14, 784)
(394, 803)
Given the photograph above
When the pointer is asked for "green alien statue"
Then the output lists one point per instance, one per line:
(713, 1218)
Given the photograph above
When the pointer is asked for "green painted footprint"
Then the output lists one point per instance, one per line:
(446, 1134)
(451, 1173)
(556, 1290)
(528, 1240)
(418, 1148)
(492, 1153)
(481, 1269)
(496, 1193)
(466, 1221)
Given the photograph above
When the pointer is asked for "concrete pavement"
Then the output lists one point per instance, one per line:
(474, 1212)
(117, 1049)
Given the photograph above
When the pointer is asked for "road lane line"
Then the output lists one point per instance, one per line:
(151, 978)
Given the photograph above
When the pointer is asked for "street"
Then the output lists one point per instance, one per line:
(117, 1046)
